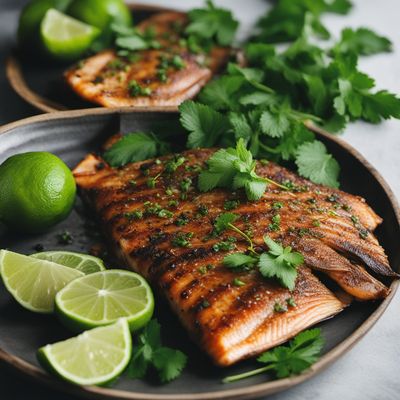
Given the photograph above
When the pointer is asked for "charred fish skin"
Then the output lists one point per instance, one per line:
(163, 231)
(106, 78)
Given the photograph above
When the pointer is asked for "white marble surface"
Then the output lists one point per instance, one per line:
(371, 370)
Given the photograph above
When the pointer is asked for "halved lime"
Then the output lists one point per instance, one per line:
(29, 22)
(64, 37)
(103, 297)
(82, 262)
(93, 358)
(33, 282)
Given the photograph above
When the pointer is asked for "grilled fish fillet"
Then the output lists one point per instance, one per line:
(145, 225)
(104, 77)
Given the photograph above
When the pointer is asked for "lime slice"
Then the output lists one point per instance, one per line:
(66, 38)
(94, 357)
(82, 262)
(33, 282)
(103, 297)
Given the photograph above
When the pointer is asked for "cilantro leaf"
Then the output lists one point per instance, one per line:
(274, 267)
(205, 125)
(212, 23)
(286, 20)
(380, 105)
(239, 260)
(169, 363)
(131, 39)
(219, 94)
(274, 124)
(233, 168)
(292, 359)
(138, 365)
(149, 352)
(240, 126)
(223, 221)
(280, 263)
(303, 351)
(134, 147)
(315, 163)
(361, 41)
(134, 42)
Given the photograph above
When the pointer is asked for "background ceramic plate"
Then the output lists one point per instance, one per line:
(41, 82)
(71, 135)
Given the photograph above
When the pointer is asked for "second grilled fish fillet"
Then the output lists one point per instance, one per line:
(163, 232)
(104, 77)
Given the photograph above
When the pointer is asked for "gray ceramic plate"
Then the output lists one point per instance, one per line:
(71, 135)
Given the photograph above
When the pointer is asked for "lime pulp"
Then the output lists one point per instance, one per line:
(103, 297)
(82, 262)
(32, 282)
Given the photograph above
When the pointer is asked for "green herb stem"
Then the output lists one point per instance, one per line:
(244, 375)
(241, 233)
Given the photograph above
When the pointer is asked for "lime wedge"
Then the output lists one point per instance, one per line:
(93, 358)
(66, 38)
(33, 282)
(81, 262)
(103, 297)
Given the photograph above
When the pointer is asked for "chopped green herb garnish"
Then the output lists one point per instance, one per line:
(202, 210)
(231, 204)
(237, 282)
(316, 223)
(280, 308)
(65, 238)
(135, 89)
(134, 214)
(290, 302)
(182, 239)
(182, 220)
(225, 245)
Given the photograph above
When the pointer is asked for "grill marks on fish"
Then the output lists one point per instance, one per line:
(104, 77)
(230, 321)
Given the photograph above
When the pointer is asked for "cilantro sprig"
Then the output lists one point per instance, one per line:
(149, 352)
(277, 262)
(211, 25)
(301, 352)
(285, 21)
(234, 168)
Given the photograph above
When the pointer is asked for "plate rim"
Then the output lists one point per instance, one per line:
(17, 81)
(241, 393)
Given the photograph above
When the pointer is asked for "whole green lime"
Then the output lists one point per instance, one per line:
(37, 190)
(30, 19)
(100, 13)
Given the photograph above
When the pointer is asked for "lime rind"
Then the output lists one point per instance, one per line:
(82, 262)
(92, 300)
(32, 282)
(95, 357)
